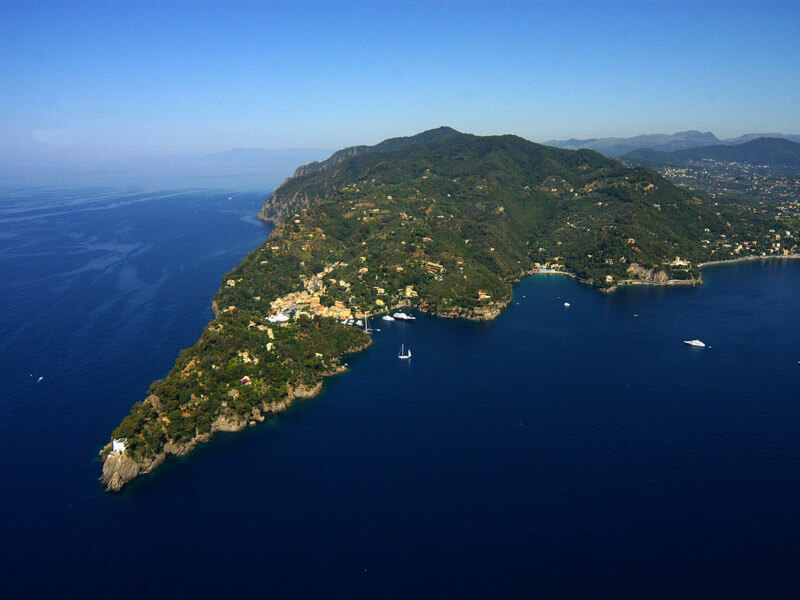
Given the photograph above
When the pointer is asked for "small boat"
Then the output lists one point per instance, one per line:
(403, 316)
(359, 322)
(388, 318)
(695, 343)
(567, 304)
(403, 353)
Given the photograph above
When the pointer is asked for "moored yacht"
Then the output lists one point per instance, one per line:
(403, 316)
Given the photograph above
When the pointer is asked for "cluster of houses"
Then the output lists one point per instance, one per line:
(307, 301)
(548, 266)
(777, 244)
(783, 247)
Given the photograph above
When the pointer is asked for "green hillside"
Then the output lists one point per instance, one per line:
(444, 222)
(533, 203)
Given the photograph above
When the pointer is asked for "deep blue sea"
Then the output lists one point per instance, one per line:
(556, 452)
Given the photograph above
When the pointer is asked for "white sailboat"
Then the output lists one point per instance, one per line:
(403, 353)
(695, 343)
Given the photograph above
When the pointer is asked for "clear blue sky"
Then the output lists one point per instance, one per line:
(141, 78)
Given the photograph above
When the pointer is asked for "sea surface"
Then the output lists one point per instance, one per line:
(574, 452)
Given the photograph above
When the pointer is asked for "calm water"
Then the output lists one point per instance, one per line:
(557, 452)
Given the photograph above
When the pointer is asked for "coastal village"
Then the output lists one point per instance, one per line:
(723, 179)
(308, 301)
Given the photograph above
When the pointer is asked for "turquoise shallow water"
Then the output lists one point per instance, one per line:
(566, 452)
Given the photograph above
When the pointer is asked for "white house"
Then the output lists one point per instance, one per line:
(119, 445)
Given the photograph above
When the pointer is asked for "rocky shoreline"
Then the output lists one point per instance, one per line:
(667, 283)
(675, 282)
(119, 468)
(486, 314)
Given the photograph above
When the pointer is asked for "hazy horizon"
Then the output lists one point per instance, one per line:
(94, 84)
(240, 169)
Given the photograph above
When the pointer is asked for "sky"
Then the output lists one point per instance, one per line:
(110, 80)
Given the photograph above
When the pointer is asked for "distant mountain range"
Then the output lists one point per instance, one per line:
(773, 152)
(614, 147)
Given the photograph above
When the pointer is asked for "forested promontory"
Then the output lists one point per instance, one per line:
(443, 222)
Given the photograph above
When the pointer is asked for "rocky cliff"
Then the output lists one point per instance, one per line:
(119, 468)
(305, 186)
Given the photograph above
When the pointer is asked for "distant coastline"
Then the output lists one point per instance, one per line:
(712, 263)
